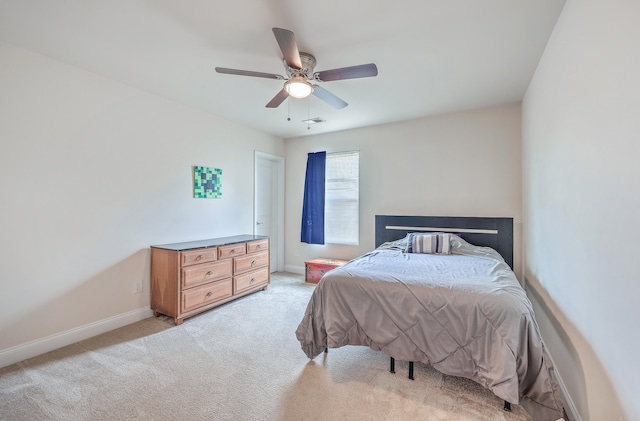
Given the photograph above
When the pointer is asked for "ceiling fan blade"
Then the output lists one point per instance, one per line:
(287, 42)
(328, 97)
(248, 73)
(278, 99)
(353, 72)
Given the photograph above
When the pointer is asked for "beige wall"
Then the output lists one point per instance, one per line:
(464, 164)
(92, 172)
(581, 144)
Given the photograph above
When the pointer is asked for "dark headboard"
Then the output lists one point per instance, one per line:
(496, 233)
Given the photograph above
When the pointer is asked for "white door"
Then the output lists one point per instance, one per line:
(269, 180)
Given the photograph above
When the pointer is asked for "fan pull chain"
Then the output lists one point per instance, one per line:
(289, 110)
(308, 113)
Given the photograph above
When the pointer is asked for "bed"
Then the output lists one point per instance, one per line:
(464, 313)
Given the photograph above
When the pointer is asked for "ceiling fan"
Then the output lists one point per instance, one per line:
(299, 66)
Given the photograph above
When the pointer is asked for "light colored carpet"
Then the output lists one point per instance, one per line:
(240, 361)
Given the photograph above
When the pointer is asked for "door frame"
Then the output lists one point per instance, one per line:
(279, 223)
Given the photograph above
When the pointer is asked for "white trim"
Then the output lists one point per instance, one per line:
(58, 340)
(279, 160)
(570, 409)
(299, 270)
(467, 230)
(343, 152)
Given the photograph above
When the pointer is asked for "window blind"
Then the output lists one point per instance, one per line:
(342, 192)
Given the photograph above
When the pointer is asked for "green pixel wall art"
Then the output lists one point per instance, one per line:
(207, 183)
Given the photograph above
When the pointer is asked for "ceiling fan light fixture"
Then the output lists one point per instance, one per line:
(298, 87)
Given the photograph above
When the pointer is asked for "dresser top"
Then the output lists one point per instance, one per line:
(212, 242)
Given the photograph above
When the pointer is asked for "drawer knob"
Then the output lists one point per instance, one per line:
(209, 273)
(252, 280)
(258, 246)
(253, 262)
(233, 251)
(209, 294)
(199, 257)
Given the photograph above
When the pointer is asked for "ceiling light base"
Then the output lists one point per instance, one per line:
(298, 87)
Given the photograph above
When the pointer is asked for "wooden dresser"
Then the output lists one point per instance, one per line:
(192, 277)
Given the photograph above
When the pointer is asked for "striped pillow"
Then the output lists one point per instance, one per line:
(429, 243)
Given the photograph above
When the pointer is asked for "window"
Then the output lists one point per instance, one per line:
(341, 206)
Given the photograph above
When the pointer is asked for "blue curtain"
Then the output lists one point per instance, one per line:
(313, 205)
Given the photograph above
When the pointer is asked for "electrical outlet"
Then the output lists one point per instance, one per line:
(137, 289)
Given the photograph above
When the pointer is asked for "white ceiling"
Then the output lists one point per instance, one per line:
(433, 56)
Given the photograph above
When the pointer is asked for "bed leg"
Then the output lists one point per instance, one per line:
(392, 365)
(326, 350)
(411, 370)
(507, 406)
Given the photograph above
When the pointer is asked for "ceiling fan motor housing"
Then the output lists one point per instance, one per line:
(308, 66)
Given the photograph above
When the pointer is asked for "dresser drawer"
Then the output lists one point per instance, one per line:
(250, 262)
(194, 257)
(260, 245)
(250, 280)
(206, 294)
(231, 250)
(206, 272)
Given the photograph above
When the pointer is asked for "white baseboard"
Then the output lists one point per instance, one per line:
(58, 340)
(294, 269)
(570, 407)
(545, 315)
